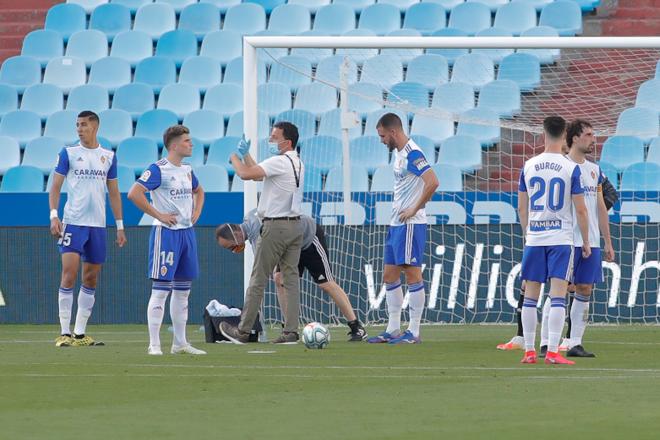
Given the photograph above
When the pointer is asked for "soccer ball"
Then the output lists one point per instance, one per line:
(315, 335)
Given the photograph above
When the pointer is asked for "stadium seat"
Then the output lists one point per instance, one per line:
(8, 99)
(270, 54)
(447, 4)
(638, 121)
(23, 179)
(137, 153)
(463, 152)
(268, 5)
(11, 154)
(450, 54)
(177, 45)
(653, 154)
(62, 125)
(135, 98)
(563, 15)
(450, 178)
(125, 178)
(403, 5)
(273, 98)
(641, 176)
(359, 179)
(313, 180)
(428, 69)
(66, 18)
(245, 19)
(480, 123)
(314, 55)
(494, 5)
(425, 17)
(545, 56)
(380, 18)
(622, 151)
(43, 99)
(223, 46)
(357, 5)
(515, 17)
(373, 117)
(115, 125)
(316, 98)
(538, 4)
(501, 96)
(358, 55)
(132, 5)
(152, 124)
(433, 127)
(205, 125)
(304, 120)
(88, 97)
(330, 125)
(408, 93)
(212, 178)
(312, 5)
(201, 72)
(369, 152)
(290, 19)
(329, 70)
(384, 70)
(43, 44)
(322, 153)
(494, 54)
(155, 19)
(180, 99)
(157, 72)
(42, 153)
(21, 125)
(383, 180)
(111, 19)
(404, 55)
(200, 18)
(49, 183)
(220, 151)
(365, 98)
(292, 71)
(178, 5)
(20, 72)
(226, 99)
(470, 17)
(235, 125)
(335, 19)
(427, 146)
(88, 5)
(234, 72)
(132, 46)
(522, 68)
(474, 69)
(110, 73)
(648, 95)
(610, 172)
(454, 97)
(89, 45)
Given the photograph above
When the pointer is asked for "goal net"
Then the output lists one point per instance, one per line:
(476, 110)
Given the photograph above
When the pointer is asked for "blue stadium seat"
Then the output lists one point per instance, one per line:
(111, 19)
(358, 55)
(88, 97)
(383, 180)
(648, 95)
(201, 72)
(200, 18)
(545, 56)
(66, 18)
(62, 125)
(622, 151)
(312, 5)
(454, 97)
(111, 73)
(42, 153)
(224, 5)
(43, 99)
(450, 178)
(132, 46)
(470, 17)
(403, 5)
(653, 153)
(157, 72)
(20, 72)
(316, 98)
(494, 5)
(641, 176)
(331, 125)
(359, 179)
(408, 93)
(427, 146)
(137, 153)
(212, 178)
(515, 17)
(273, 98)
(178, 5)
(314, 55)
(49, 183)
(522, 68)
(304, 120)
(269, 55)
(405, 55)
(89, 45)
(447, 4)
(384, 70)
(380, 18)
(432, 127)
(245, 19)
(21, 125)
(494, 54)
(313, 180)
(88, 5)
(638, 121)
(268, 5)
(177, 45)
(290, 19)
(450, 54)
(220, 152)
(334, 19)
(369, 152)
(563, 15)
(8, 99)
(291, 70)
(234, 72)
(223, 46)
(115, 125)
(425, 17)
(11, 154)
(23, 179)
(132, 5)
(125, 178)
(480, 123)
(135, 98)
(235, 125)
(357, 5)
(501, 96)
(538, 4)
(152, 124)
(587, 5)
(610, 172)
(463, 152)
(329, 70)
(321, 153)
(197, 158)
(474, 69)
(225, 99)
(43, 44)
(205, 125)
(373, 117)
(154, 19)
(180, 99)
(365, 98)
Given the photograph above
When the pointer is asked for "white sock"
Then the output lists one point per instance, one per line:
(544, 321)
(528, 316)
(85, 305)
(65, 304)
(179, 310)
(579, 318)
(156, 310)
(556, 319)
(394, 298)
(416, 306)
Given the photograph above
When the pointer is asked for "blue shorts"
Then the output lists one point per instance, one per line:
(404, 245)
(172, 254)
(540, 263)
(587, 270)
(88, 241)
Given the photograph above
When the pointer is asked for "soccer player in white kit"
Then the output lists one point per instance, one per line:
(88, 169)
(177, 201)
(550, 188)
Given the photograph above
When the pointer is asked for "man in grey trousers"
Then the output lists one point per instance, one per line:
(281, 236)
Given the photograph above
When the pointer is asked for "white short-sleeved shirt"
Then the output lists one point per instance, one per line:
(409, 164)
(592, 179)
(550, 180)
(281, 196)
(87, 171)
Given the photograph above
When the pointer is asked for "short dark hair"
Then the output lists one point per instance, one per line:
(554, 126)
(289, 131)
(174, 132)
(575, 128)
(390, 120)
(227, 231)
(89, 115)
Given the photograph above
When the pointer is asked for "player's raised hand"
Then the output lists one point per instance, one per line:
(121, 238)
(608, 254)
(243, 146)
(167, 219)
(56, 227)
(407, 213)
(586, 250)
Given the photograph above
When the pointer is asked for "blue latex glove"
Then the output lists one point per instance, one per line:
(243, 147)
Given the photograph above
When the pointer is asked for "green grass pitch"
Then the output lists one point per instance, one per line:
(454, 385)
